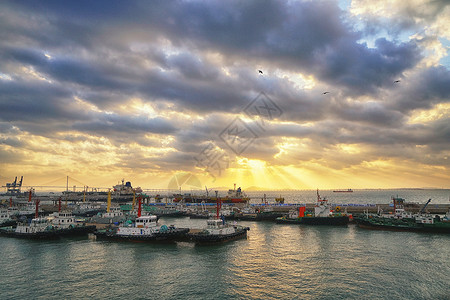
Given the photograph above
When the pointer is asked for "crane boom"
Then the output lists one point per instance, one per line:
(425, 206)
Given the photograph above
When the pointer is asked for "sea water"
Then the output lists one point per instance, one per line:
(276, 261)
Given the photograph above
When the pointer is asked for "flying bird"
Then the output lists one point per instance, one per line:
(324, 93)
(260, 71)
(397, 81)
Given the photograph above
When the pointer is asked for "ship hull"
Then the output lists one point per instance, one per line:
(77, 230)
(207, 239)
(331, 221)
(258, 217)
(441, 227)
(45, 235)
(171, 235)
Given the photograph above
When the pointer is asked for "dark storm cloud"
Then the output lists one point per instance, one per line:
(172, 54)
(29, 101)
(108, 124)
(430, 87)
(303, 36)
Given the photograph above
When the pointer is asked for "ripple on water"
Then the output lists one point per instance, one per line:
(274, 262)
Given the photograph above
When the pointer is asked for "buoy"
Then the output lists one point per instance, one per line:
(338, 208)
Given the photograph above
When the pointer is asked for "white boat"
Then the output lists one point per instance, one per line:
(143, 229)
(68, 224)
(88, 209)
(114, 215)
(6, 218)
(38, 228)
(28, 209)
(218, 231)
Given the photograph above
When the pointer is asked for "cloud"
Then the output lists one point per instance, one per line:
(159, 82)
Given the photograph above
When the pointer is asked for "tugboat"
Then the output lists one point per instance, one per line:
(88, 209)
(218, 231)
(38, 228)
(112, 215)
(66, 223)
(403, 221)
(144, 229)
(5, 218)
(322, 215)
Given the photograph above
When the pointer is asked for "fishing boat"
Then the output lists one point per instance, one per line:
(217, 231)
(400, 220)
(322, 215)
(143, 229)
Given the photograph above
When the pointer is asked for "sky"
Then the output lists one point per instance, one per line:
(273, 94)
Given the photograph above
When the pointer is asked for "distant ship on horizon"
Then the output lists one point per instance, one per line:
(343, 191)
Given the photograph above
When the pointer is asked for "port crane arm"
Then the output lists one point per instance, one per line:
(425, 206)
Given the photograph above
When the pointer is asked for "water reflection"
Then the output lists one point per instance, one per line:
(275, 261)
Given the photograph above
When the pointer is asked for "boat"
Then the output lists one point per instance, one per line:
(343, 191)
(400, 220)
(218, 231)
(227, 211)
(279, 200)
(88, 209)
(322, 215)
(69, 225)
(233, 196)
(143, 229)
(125, 188)
(262, 213)
(38, 228)
(113, 214)
(6, 219)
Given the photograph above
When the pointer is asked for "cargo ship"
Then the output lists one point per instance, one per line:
(233, 196)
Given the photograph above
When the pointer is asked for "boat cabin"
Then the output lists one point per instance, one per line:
(63, 219)
(214, 223)
(114, 211)
(424, 219)
(4, 214)
(322, 208)
(146, 221)
(36, 225)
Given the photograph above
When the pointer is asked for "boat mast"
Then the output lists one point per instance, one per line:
(139, 206)
(37, 208)
(217, 205)
(108, 207)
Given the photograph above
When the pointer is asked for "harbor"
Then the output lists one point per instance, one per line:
(275, 262)
(240, 249)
